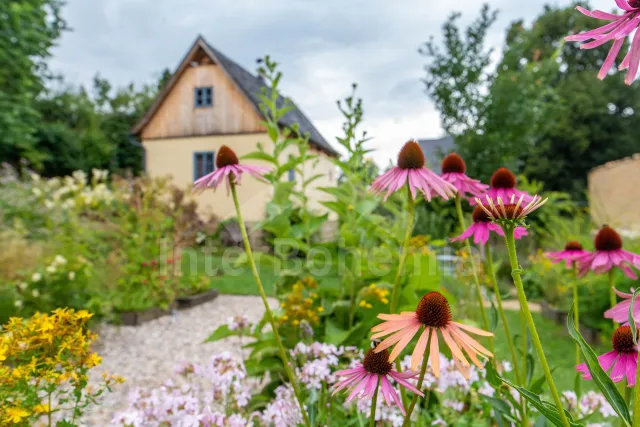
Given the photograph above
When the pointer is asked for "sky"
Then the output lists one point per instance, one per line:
(322, 47)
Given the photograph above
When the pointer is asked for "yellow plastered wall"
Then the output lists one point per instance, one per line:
(614, 193)
(174, 157)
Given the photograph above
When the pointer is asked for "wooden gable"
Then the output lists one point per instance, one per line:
(175, 115)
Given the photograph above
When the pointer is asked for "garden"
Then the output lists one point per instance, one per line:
(449, 295)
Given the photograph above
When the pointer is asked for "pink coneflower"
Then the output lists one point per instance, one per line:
(482, 226)
(510, 209)
(433, 314)
(616, 31)
(623, 358)
(572, 251)
(620, 312)
(362, 380)
(453, 171)
(503, 185)
(608, 254)
(228, 169)
(411, 171)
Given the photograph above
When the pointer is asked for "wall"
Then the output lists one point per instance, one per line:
(614, 193)
(177, 116)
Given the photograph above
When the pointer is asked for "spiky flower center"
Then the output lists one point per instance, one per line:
(226, 157)
(377, 363)
(479, 215)
(512, 211)
(608, 239)
(573, 246)
(622, 340)
(411, 156)
(434, 310)
(453, 163)
(634, 3)
(503, 178)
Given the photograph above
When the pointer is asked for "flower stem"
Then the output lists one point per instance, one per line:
(372, 417)
(474, 272)
(612, 293)
(401, 262)
(423, 371)
(505, 322)
(256, 276)
(636, 397)
(576, 306)
(516, 271)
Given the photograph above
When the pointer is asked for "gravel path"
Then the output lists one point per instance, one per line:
(146, 355)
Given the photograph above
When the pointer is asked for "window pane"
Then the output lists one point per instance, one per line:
(210, 162)
(199, 167)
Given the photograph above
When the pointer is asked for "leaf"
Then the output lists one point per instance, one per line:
(494, 317)
(547, 409)
(220, 333)
(334, 334)
(500, 407)
(540, 422)
(258, 155)
(492, 376)
(631, 319)
(600, 377)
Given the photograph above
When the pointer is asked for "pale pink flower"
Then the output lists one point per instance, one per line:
(411, 171)
(510, 209)
(482, 226)
(620, 312)
(454, 171)
(503, 186)
(228, 169)
(433, 314)
(608, 254)
(571, 252)
(623, 358)
(620, 27)
(362, 380)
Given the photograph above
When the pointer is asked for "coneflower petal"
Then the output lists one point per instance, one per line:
(388, 342)
(421, 346)
(455, 350)
(404, 342)
(472, 329)
(435, 354)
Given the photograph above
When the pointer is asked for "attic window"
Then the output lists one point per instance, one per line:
(203, 97)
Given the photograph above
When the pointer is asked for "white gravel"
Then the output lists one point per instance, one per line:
(146, 355)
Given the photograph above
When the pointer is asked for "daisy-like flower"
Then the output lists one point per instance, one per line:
(616, 31)
(433, 314)
(572, 251)
(482, 226)
(454, 171)
(411, 171)
(503, 185)
(514, 210)
(362, 380)
(623, 358)
(608, 254)
(228, 169)
(620, 312)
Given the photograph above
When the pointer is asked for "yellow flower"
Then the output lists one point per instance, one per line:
(83, 314)
(320, 309)
(93, 360)
(15, 415)
(41, 408)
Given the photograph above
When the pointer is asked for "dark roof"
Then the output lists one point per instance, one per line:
(435, 149)
(252, 87)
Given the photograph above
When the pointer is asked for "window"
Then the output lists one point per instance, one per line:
(203, 163)
(292, 175)
(203, 97)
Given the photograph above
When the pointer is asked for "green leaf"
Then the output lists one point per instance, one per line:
(334, 334)
(258, 155)
(500, 407)
(494, 317)
(492, 376)
(631, 319)
(540, 422)
(547, 409)
(220, 333)
(600, 377)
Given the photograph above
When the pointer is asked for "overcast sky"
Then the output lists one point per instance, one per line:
(322, 45)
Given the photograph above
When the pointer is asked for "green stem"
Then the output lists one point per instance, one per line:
(516, 271)
(576, 306)
(372, 417)
(423, 371)
(49, 424)
(525, 345)
(505, 322)
(401, 263)
(256, 276)
(474, 271)
(636, 397)
(613, 299)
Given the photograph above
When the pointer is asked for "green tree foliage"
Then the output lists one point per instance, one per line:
(28, 31)
(540, 109)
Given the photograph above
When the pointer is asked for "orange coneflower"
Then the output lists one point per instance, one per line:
(433, 314)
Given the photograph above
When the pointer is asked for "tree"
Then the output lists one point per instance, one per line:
(28, 30)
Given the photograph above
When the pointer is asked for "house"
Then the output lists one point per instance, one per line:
(209, 101)
(435, 149)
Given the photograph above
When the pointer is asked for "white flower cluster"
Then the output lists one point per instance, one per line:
(238, 322)
(283, 411)
(589, 403)
(319, 362)
(74, 190)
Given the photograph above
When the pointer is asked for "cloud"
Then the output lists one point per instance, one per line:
(322, 47)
